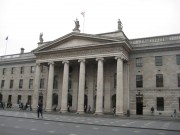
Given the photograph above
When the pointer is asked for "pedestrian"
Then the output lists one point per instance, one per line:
(68, 108)
(152, 110)
(89, 109)
(85, 108)
(174, 114)
(40, 109)
(114, 111)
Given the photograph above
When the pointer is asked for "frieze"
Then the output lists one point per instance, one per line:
(65, 54)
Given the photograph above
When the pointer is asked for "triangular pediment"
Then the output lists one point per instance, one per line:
(75, 40)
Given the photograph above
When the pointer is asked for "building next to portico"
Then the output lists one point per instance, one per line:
(100, 71)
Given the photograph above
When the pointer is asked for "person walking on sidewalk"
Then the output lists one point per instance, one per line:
(114, 111)
(40, 109)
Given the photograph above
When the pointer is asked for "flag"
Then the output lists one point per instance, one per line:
(7, 38)
(83, 13)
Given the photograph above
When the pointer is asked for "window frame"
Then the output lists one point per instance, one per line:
(139, 81)
(11, 84)
(158, 60)
(160, 103)
(178, 59)
(20, 83)
(139, 62)
(159, 80)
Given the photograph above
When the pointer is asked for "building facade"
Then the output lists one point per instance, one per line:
(99, 72)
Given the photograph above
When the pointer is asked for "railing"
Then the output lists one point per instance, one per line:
(16, 56)
(155, 39)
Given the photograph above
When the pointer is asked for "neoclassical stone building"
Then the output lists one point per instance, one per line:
(101, 71)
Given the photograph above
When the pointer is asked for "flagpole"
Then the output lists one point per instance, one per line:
(6, 45)
(83, 22)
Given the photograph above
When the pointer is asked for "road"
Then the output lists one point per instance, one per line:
(24, 122)
(21, 126)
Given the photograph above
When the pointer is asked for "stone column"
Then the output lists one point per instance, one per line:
(65, 87)
(36, 87)
(81, 86)
(99, 96)
(50, 87)
(119, 88)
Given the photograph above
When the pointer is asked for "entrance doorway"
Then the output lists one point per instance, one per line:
(41, 99)
(139, 105)
(114, 100)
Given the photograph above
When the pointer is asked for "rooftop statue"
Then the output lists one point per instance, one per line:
(76, 25)
(120, 26)
(41, 38)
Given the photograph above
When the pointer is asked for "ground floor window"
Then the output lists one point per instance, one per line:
(19, 99)
(160, 104)
(179, 104)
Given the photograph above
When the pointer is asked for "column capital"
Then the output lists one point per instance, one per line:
(65, 61)
(81, 60)
(38, 64)
(51, 62)
(122, 57)
(99, 59)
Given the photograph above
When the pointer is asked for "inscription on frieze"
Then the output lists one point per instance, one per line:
(63, 54)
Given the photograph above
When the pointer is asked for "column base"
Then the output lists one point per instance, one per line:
(80, 112)
(119, 114)
(48, 110)
(63, 111)
(98, 113)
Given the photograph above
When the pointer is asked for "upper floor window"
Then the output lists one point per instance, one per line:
(178, 77)
(160, 104)
(11, 84)
(139, 62)
(42, 83)
(2, 83)
(159, 80)
(178, 59)
(21, 83)
(158, 60)
(30, 83)
(139, 81)
(4, 71)
(32, 69)
(43, 69)
(22, 70)
(12, 70)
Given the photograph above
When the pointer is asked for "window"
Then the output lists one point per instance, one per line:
(139, 81)
(2, 83)
(19, 99)
(178, 59)
(159, 80)
(178, 77)
(22, 70)
(21, 83)
(42, 84)
(30, 83)
(160, 104)
(55, 84)
(29, 99)
(12, 70)
(158, 60)
(32, 69)
(139, 62)
(42, 69)
(11, 84)
(4, 71)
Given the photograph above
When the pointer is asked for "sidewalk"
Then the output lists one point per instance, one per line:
(134, 121)
(109, 115)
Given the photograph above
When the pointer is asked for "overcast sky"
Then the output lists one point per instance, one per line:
(23, 20)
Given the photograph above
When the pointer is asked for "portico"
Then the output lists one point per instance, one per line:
(90, 58)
